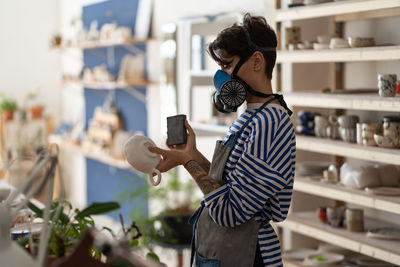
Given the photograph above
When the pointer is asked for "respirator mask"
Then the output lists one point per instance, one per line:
(231, 90)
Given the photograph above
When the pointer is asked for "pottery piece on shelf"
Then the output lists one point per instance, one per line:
(388, 233)
(318, 46)
(299, 254)
(323, 259)
(293, 36)
(309, 168)
(354, 220)
(337, 43)
(359, 176)
(384, 191)
(387, 84)
(386, 141)
(132, 68)
(361, 41)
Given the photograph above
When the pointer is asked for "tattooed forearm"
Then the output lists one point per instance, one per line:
(205, 164)
(203, 161)
(205, 182)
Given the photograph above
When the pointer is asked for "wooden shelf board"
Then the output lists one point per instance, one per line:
(307, 223)
(107, 43)
(209, 129)
(201, 78)
(334, 8)
(117, 84)
(354, 196)
(376, 53)
(99, 156)
(108, 85)
(341, 148)
(344, 101)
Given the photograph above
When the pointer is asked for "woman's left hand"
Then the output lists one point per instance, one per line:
(170, 158)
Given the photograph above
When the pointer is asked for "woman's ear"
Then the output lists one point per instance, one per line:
(258, 61)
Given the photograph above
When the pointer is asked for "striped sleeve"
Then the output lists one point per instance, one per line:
(262, 170)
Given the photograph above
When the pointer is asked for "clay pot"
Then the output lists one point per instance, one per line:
(8, 115)
(36, 112)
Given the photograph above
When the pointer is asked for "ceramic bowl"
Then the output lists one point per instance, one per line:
(386, 141)
(337, 43)
(323, 39)
(361, 41)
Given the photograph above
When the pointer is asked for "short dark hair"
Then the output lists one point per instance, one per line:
(233, 41)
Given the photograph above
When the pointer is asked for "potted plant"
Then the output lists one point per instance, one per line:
(71, 226)
(36, 109)
(7, 108)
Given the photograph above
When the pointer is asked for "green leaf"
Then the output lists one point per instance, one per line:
(134, 243)
(153, 256)
(35, 209)
(97, 208)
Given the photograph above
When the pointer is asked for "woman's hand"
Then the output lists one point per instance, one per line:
(170, 158)
(190, 146)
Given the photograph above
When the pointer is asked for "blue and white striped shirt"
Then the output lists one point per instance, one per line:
(260, 173)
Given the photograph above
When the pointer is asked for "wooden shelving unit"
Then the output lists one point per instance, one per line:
(341, 148)
(307, 223)
(344, 101)
(349, 195)
(99, 156)
(334, 8)
(106, 43)
(375, 53)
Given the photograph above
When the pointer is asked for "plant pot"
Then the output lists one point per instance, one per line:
(176, 229)
(36, 112)
(8, 115)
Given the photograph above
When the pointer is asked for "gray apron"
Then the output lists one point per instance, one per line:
(214, 245)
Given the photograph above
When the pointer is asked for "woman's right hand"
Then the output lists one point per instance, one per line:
(190, 146)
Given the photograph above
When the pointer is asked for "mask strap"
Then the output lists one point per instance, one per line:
(254, 47)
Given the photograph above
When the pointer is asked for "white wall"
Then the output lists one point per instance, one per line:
(26, 61)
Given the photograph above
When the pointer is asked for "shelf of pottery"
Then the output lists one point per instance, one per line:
(338, 67)
(116, 64)
(119, 74)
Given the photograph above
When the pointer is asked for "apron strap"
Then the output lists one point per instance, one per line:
(194, 220)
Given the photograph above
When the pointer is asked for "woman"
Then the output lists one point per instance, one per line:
(250, 179)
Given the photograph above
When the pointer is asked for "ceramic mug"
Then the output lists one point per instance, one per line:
(391, 126)
(387, 85)
(367, 133)
(359, 133)
(335, 216)
(348, 121)
(138, 155)
(348, 134)
(355, 220)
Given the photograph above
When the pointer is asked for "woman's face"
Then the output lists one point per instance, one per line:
(229, 63)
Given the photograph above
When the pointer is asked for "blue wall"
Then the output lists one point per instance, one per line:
(121, 11)
(107, 183)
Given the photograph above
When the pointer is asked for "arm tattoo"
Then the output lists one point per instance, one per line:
(205, 164)
(205, 182)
